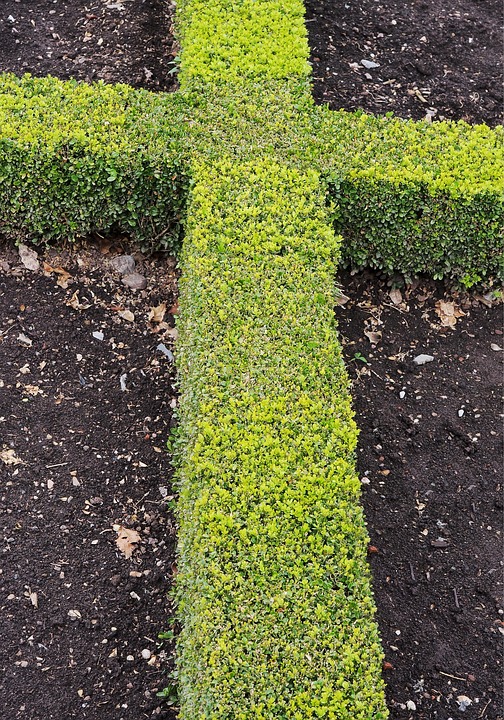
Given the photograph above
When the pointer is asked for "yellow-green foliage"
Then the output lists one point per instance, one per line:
(415, 197)
(273, 585)
(226, 41)
(76, 158)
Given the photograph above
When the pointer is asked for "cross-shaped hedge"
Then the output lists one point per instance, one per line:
(273, 588)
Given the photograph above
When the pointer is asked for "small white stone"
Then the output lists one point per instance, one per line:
(402, 394)
(98, 335)
(422, 359)
(146, 654)
(129, 658)
(411, 705)
(460, 413)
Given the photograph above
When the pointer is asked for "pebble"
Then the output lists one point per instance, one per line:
(369, 64)
(402, 394)
(135, 281)
(98, 335)
(123, 264)
(460, 413)
(411, 705)
(162, 348)
(146, 654)
(422, 359)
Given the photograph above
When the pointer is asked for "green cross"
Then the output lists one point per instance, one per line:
(273, 587)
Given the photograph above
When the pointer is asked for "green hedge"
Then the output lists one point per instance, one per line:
(273, 585)
(227, 41)
(408, 197)
(76, 158)
(415, 197)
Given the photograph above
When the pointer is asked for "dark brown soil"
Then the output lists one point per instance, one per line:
(112, 40)
(83, 428)
(430, 460)
(436, 59)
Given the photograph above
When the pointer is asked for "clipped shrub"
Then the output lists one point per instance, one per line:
(76, 158)
(273, 586)
(228, 42)
(414, 197)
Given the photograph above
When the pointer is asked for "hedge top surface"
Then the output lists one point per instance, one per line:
(108, 117)
(273, 584)
(242, 40)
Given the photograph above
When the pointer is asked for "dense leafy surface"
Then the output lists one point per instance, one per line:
(273, 585)
(76, 158)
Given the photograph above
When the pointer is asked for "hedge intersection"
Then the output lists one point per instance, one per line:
(273, 587)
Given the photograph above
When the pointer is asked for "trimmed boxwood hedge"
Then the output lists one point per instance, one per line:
(408, 197)
(75, 159)
(273, 586)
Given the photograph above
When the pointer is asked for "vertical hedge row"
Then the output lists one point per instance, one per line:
(273, 586)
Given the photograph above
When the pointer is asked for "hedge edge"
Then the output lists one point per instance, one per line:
(273, 586)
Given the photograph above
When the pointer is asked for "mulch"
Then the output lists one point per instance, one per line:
(84, 419)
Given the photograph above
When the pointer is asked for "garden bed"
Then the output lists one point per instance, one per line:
(421, 613)
(86, 403)
(437, 60)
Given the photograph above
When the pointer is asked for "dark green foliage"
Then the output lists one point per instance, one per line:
(76, 158)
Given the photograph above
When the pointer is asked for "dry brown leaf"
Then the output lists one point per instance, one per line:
(172, 333)
(341, 299)
(64, 276)
(396, 296)
(32, 389)
(156, 314)
(448, 313)
(63, 279)
(29, 258)
(74, 301)
(9, 457)
(126, 315)
(127, 541)
(374, 337)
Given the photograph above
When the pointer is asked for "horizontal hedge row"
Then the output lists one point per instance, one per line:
(408, 197)
(415, 197)
(273, 586)
(75, 159)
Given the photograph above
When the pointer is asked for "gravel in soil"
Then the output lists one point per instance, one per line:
(430, 461)
(425, 59)
(111, 40)
(86, 403)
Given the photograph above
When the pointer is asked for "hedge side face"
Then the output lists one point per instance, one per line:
(273, 586)
(408, 197)
(76, 158)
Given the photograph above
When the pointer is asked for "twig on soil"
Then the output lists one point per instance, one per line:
(484, 709)
(456, 597)
(412, 573)
(57, 465)
(453, 677)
